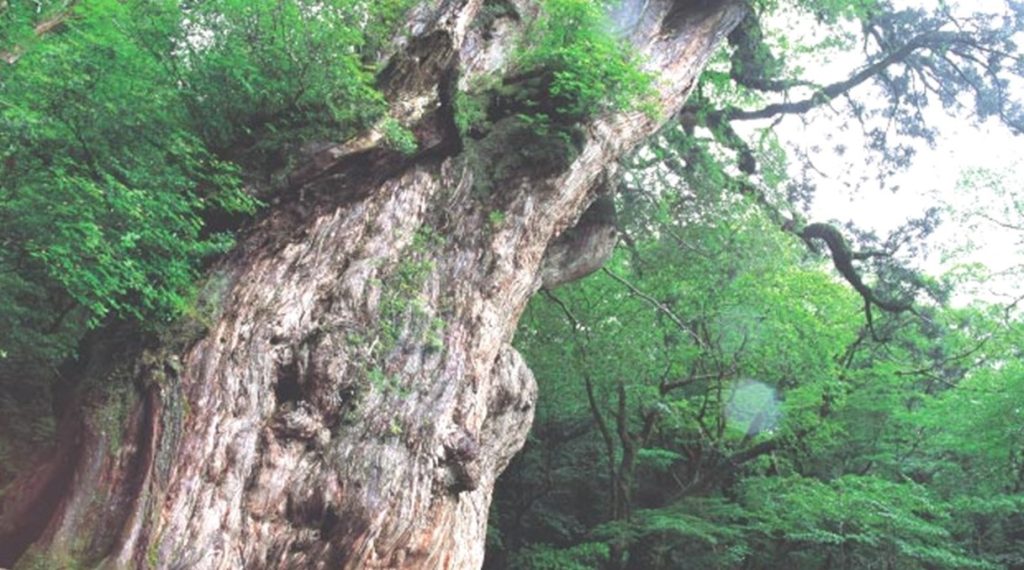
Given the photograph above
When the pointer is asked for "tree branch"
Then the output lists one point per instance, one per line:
(657, 305)
(927, 40)
(842, 259)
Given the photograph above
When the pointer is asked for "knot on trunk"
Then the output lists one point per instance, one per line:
(461, 452)
(300, 422)
(582, 249)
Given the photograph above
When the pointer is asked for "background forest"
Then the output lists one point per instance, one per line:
(738, 387)
(728, 393)
(715, 399)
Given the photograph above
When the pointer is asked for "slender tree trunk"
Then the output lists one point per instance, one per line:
(349, 394)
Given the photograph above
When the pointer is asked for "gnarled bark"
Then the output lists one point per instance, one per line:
(351, 396)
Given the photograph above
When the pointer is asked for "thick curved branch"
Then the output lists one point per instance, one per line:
(927, 40)
(842, 259)
(842, 256)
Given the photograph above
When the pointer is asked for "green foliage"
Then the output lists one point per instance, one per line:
(19, 19)
(587, 68)
(781, 434)
(470, 112)
(859, 519)
(737, 410)
(125, 130)
(569, 67)
(402, 313)
(282, 70)
(125, 135)
(883, 455)
(495, 218)
(111, 231)
(543, 557)
(383, 382)
(399, 137)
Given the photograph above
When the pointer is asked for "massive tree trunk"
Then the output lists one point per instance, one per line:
(348, 395)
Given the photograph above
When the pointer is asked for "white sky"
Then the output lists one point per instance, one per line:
(933, 178)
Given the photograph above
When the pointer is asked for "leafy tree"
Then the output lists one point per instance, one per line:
(585, 68)
(133, 139)
(867, 459)
(712, 398)
(129, 126)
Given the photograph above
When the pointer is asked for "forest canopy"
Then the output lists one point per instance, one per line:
(738, 386)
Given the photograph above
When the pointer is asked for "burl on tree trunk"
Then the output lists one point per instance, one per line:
(346, 394)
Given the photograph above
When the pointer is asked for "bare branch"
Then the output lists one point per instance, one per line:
(657, 305)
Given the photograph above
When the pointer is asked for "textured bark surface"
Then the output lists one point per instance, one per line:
(351, 395)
